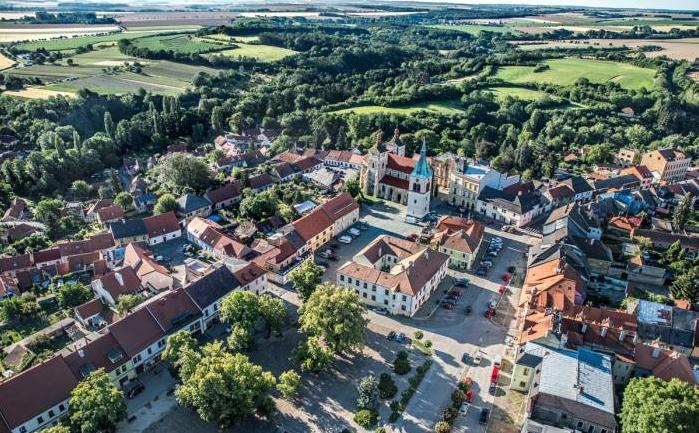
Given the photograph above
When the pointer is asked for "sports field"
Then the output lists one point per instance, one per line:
(566, 71)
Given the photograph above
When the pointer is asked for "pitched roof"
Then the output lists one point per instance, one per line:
(261, 180)
(306, 163)
(36, 390)
(172, 309)
(670, 154)
(552, 284)
(395, 182)
(339, 206)
(89, 309)
(226, 192)
(664, 363)
(513, 199)
(223, 243)
(159, 225)
(459, 234)
(136, 331)
(190, 203)
(47, 255)
(400, 163)
(561, 191)
(312, 224)
(578, 184)
(109, 213)
(141, 261)
(121, 282)
(212, 287)
(12, 263)
(640, 171)
(94, 352)
(128, 228)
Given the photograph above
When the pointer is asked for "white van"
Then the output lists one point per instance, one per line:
(497, 361)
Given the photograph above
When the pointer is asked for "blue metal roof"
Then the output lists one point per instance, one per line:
(422, 168)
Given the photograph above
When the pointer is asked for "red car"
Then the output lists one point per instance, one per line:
(469, 396)
(502, 288)
(489, 313)
(506, 277)
(455, 292)
(448, 306)
(413, 237)
(494, 375)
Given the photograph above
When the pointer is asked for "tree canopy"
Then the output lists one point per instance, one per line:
(96, 405)
(654, 405)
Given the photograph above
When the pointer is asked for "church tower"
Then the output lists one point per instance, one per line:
(420, 187)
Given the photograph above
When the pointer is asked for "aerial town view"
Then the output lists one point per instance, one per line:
(349, 216)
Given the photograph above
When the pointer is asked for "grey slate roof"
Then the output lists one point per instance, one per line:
(625, 181)
(578, 184)
(519, 204)
(128, 228)
(213, 286)
(190, 203)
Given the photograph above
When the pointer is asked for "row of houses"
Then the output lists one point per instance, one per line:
(39, 396)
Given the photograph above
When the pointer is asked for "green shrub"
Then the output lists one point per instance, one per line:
(463, 386)
(396, 406)
(402, 355)
(442, 427)
(401, 366)
(457, 397)
(366, 417)
(449, 414)
(428, 343)
(387, 387)
(418, 335)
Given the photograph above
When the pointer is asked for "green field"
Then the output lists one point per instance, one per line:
(566, 71)
(475, 29)
(93, 70)
(181, 43)
(649, 22)
(502, 92)
(73, 43)
(448, 107)
(263, 53)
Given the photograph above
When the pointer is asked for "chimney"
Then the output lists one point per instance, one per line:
(519, 193)
(81, 353)
(604, 332)
(622, 335)
(584, 328)
(119, 278)
(656, 352)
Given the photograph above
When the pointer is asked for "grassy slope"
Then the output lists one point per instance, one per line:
(182, 43)
(444, 107)
(264, 53)
(567, 71)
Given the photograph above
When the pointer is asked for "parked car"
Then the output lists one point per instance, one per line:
(361, 225)
(447, 306)
(401, 338)
(463, 410)
(327, 254)
(455, 292)
(506, 277)
(354, 232)
(135, 390)
(484, 415)
(464, 357)
(391, 335)
(345, 239)
(450, 298)
(492, 388)
(482, 272)
(502, 289)
(497, 361)
(463, 282)
(467, 310)
(477, 358)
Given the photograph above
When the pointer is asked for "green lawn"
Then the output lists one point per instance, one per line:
(517, 92)
(73, 43)
(92, 70)
(475, 29)
(263, 53)
(181, 43)
(445, 107)
(566, 71)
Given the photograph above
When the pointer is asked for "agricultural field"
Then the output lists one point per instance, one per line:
(687, 49)
(263, 53)
(475, 29)
(29, 32)
(95, 71)
(502, 92)
(566, 71)
(181, 43)
(5, 62)
(448, 107)
(37, 93)
(98, 40)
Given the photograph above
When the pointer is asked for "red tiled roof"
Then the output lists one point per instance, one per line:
(171, 309)
(136, 331)
(226, 192)
(339, 206)
(47, 255)
(312, 224)
(121, 282)
(248, 273)
(667, 365)
(109, 213)
(103, 351)
(36, 390)
(159, 225)
(395, 182)
(13, 263)
(561, 191)
(306, 163)
(401, 163)
(90, 308)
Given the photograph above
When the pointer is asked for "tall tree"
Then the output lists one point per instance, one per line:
(182, 173)
(225, 388)
(654, 405)
(681, 213)
(273, 311)
(96, 405)
(109, 127)
(124, 200)
(368, 393)
(337, 316)
(686, 286)
(166, 203)
(305, 278)
(72, 294)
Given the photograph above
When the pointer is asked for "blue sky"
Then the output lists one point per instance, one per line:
(650, 4)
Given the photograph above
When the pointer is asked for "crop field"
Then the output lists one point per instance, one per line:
(5, 62)
(475, 29)
(98, 40)
(94, 70)
(181, 43)
(28, 32)
(263, 53)
(36, 93)
(687, 49)
(566, 71)
(448, 107)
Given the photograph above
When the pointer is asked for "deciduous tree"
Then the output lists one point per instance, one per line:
(124, 200)
(681, 213)
(96, 405)
(305, 278)
(289, 382)
(181, 172)
(654, 405)
(128, 302)
(72, 294)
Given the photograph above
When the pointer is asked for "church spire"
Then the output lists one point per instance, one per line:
(422, 168)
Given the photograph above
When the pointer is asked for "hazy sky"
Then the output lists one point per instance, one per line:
(650, 4)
